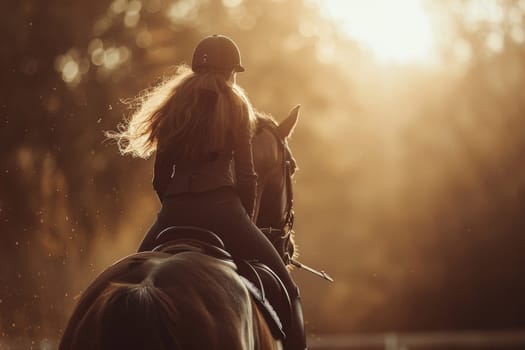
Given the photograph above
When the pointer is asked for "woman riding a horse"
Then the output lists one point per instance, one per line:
(200, 124)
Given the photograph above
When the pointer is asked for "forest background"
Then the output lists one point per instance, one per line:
(411, 189)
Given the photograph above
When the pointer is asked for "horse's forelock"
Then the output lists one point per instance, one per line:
(265, 120)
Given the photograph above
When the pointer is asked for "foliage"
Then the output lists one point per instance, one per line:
(411, 191)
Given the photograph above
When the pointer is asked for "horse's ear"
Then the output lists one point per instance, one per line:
(287, 126)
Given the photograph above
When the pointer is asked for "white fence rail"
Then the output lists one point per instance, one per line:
(471, 340)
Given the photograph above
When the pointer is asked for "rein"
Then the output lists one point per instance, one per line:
(289, 215)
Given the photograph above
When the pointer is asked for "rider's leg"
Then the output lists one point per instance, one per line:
(296, 337)
(243, 239)
(222, 212)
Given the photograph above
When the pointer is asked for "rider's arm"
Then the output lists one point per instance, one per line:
(246, 183)
(161, 174)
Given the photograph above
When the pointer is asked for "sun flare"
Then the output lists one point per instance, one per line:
(394, 31)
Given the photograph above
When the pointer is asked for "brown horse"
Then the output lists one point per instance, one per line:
(275, 168)
(193, 299)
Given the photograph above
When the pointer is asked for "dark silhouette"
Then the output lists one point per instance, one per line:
(155, 299)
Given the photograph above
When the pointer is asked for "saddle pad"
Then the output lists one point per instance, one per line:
(269, 294)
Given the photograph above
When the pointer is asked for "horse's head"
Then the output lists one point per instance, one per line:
(275, 167)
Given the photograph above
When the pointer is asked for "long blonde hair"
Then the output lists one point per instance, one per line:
(189, 113)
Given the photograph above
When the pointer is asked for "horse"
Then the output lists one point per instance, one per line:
(186, 295)
(275, 167)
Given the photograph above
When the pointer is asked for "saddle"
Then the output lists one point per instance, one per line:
(265, 287)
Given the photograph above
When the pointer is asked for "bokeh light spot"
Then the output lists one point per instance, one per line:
(94, 45)
(119, 6)
(495, 41)
(231, 3)
(70, 71)
(111, 58)
(182, 11)
(97, 56)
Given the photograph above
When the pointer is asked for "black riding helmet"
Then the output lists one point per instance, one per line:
(216, 52)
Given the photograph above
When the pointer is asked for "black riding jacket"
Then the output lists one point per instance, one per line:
(232, 167)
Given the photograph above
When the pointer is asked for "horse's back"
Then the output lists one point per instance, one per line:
(214, 307)
(208, 304)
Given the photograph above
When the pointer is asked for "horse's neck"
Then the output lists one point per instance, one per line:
(260, 190)
(266, 158)
(271, 201)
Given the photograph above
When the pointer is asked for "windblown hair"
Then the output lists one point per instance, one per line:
(189, 113)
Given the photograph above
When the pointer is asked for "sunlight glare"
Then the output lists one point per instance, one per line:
(394, 31)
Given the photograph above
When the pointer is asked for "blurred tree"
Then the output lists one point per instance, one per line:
(411, 189)
(44, 148)
(472, 141)
(63, 195)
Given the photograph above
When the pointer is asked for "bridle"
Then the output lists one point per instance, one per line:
(289, 215)
(281, 235)
(279, 228)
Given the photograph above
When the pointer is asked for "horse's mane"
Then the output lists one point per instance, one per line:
(265, 119)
